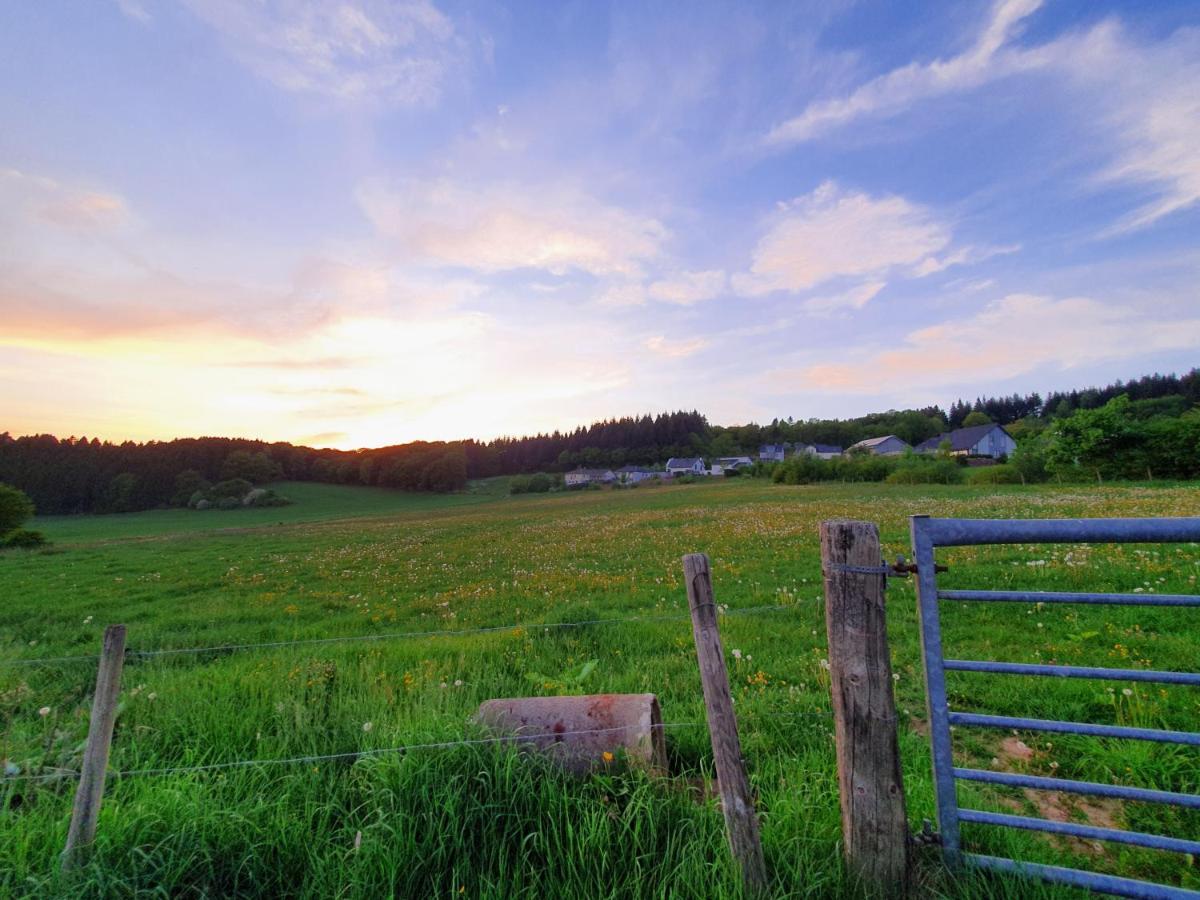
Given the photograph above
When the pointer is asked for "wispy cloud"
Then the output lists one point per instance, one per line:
(677, 349)
(68, 206)
(894, 92)
(1012, 336)
(498, 227)
(398, 52)
(686, 288)
(832, 232)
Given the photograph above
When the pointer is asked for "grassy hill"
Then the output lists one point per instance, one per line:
(480, 821)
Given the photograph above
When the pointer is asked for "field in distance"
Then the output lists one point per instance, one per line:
(478, 820)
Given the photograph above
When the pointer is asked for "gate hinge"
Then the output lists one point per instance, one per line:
(903, 569)
(926, 837)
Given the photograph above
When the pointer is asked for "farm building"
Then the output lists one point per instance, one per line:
(580, 477)
(821, 451)
(773, 452)
(979, 440)
(734, 462)
(888, 445)
(634, 474)
(685, 466)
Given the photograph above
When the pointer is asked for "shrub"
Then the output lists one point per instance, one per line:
(918, 470)
(235, 488)
(262, 497)
(1005, 474)
(203, 503)
(23, 537)
(228, 503)
(15, 508)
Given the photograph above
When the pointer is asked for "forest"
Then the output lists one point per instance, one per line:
(1146, 427)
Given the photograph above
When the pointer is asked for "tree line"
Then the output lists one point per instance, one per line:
(78, 475)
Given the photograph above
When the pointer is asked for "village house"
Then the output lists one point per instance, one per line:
(634, 474)
(888, 445)
(979, 440)
(580, 477)
(773, 452)
(820, 451)
(685, 466)
(734, 462)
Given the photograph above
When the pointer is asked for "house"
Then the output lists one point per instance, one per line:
(979, 440)
(824, 451)
(734, 462)
(772, 452)
(634, 474)
(888, 445)
(685, 466)
(580, 477)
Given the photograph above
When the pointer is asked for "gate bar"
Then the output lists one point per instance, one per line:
(1004, 668)
(1120, 791)
(964, 532)
(1093, 881)
(1071, 597)
(1117, 731)
(1090, 832)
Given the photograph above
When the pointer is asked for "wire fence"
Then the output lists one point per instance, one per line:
(395, 635)
(63, 775)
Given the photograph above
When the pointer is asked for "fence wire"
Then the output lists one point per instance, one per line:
(396, 635)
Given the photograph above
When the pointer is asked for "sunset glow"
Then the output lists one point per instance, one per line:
(371, 222)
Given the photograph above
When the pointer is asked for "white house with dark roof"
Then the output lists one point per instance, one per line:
(683, 465)
(888, 445)
(979, 440)
(821, 451)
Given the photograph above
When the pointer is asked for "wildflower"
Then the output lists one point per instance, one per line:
(458, 682)
(895, 676)
(44, 711)
(152, 696)
(367, 726)
(608, 757)
(87, 621)
(737, 654)
(1128, 692)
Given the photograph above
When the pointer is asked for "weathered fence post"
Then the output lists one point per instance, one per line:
(90, 791)
(874, 820)
(737, 803)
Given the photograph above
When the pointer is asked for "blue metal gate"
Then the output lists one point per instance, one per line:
(928, 534)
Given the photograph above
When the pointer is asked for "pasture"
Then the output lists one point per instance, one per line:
(481, 820)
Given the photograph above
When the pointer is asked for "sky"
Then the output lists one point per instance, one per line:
(355, 222)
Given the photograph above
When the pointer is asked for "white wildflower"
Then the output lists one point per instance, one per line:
(44, 711)
(367, 726)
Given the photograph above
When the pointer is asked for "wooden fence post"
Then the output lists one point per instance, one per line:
(90, 791)
(737, 803)
(874, 819)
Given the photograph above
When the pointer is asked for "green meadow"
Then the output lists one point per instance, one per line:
(481, 820)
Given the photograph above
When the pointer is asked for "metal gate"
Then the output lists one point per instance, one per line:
(928, 534)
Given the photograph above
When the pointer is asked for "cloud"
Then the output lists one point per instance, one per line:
(1148, 99)
(832, 233)
(1139, 99)
(1012, 336)
(66, 206)
(686, 288)
(133, 9)
(855, 298)
(499, 227)
(892, 93)
(399, 52)
(675, 349)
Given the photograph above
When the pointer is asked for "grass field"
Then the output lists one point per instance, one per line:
(480, 821)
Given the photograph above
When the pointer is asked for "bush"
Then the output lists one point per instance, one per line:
(263, 497)
(229, 503)
(919, 470)
(1005, 474)
(203, 504)
(235, 488)
(23, 537)
(15, 508)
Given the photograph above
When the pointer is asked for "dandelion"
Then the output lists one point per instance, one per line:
(608, 757)
(152, 696)
(44, 711)
(737, 654)
(88, 620)
(1128, 692)
(458, 682)
(367, 726)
